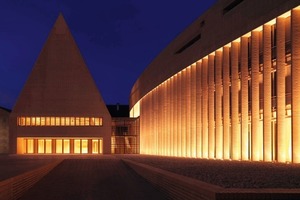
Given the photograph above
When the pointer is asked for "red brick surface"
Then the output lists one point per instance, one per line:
(103, 178)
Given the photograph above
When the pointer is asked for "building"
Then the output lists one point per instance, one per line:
(4, 130)
(125, 131)
(60, 109)
(228, 87)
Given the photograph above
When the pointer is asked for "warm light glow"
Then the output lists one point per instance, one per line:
(258, 29)
(285, 15)
(84, 146)
(66, 146)
(247, 34)
(59, 121)
(272, 22)
(41, 145)
(59, 146)
(135, 110)
(236, 105)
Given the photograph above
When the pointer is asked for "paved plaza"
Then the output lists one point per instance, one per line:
(105, 177)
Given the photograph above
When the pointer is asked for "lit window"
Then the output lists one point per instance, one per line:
(76, 146)
(66, 146)
(97, 121)
(95, 147)
(92, 121)
(48, 144)
(27, 121)
(72, 121)
(43, 121)
(29, 145)
(47, 121)
(84, 146)
(22, 121)
(41, 146)
(38, 121)
(57, 121)
(32, 121)
(62, 121)
(59, 146)
(87, 121)
(67, 121)
(81, 121)
(77, 121)
(52, 121)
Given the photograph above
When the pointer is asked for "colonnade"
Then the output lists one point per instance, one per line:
(240, 102)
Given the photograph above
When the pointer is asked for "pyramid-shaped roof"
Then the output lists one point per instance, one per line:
(60, 83)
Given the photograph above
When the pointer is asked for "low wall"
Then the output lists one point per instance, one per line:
(15, 187)
(182, 187)
(176, 186)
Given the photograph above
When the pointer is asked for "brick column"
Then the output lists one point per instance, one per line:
(235, 126)
(267, 87)
(199, 110)
(244, 98)
(218, 108)
(255, 150)
(211, 106)
(295, 24)
(280, 85)
(204, 109)
(193, 111)
(226, 103)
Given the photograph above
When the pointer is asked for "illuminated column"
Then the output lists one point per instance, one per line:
(175, 115)
(218, 108)
(188, 111)
(143, 124)
(244, 97)
(168, 121)
(179, 116)
(204, 109)
(193, 110)
(280, 85)
(226, 103)
(171, 115)
(155, 112)
(267, 92)
(295, 24)
(199, 110)
(183, 113)
(158, 120)
(255, 150)
(211, 106)
(236, 135)
(162, 119)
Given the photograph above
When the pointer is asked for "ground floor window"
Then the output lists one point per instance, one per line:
(124, 145)
(41, 145)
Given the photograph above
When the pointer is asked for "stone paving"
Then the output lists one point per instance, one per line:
(13, 165)
(105, 177)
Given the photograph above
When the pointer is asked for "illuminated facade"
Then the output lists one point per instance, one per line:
(60, 110)
(228, 87)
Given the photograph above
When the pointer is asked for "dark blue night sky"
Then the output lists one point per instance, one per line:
(117, 38)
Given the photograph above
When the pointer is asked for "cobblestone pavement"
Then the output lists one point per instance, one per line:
(102, 178)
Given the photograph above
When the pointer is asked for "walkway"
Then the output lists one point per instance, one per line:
(101, 178)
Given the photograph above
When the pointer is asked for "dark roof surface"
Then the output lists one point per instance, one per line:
(8, 110)
(118, 110)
